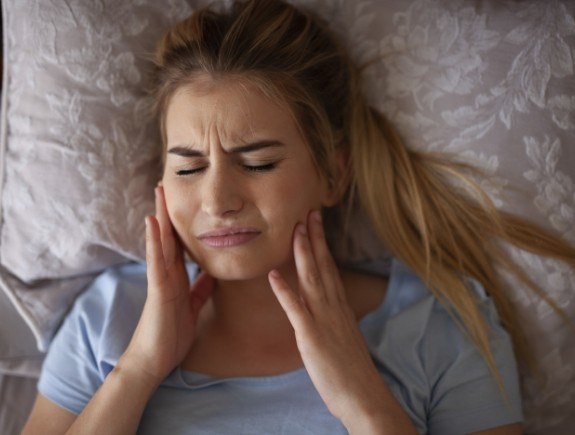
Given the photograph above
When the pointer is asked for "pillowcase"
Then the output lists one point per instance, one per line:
(485, 80)
(79, 149)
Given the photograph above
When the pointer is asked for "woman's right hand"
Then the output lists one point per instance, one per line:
(167, 326)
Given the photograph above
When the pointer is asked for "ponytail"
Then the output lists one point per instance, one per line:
(432, 215)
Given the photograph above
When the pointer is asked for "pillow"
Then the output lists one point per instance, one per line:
(79, 151)
(485, 80)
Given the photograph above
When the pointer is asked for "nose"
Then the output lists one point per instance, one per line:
(221, 192)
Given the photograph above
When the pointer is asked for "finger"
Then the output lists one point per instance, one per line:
(327, 268)
(292, 303)
(311, 285)
(169, 242)
(201, 291)
(156, 271)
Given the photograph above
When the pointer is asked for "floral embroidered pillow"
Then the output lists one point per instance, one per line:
(79, 148)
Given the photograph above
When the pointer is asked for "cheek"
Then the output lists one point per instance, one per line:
(181, 212)
(297, 196)
(180, 207)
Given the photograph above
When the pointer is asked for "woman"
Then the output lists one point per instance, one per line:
(264, 128)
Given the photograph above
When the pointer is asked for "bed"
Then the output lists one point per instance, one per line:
(491, 81)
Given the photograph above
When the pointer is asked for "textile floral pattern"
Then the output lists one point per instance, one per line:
(80, 148)
(490, 81)
(555, 190)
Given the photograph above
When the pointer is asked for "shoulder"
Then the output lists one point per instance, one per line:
(116, 286)
(432, 365)
(105, 315)
(108, 311)
(437, 331)
(411, 311)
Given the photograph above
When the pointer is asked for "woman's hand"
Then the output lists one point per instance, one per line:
(166, 329)
(328, 338)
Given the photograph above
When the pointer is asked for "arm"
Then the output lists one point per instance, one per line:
(47, 417)
(118, 404)
(162, 338)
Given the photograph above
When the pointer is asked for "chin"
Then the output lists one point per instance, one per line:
(240, 267)
(222, 272)
(233, 269)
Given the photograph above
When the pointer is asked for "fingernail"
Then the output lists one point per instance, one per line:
(316, 216)
(302, 229)
(274, 273)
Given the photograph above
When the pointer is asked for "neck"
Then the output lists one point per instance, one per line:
(249, 310)
(243, 331)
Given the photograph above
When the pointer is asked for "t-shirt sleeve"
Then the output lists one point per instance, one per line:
(70, 374)
(93, 337)
(465, 395)
(435, 370)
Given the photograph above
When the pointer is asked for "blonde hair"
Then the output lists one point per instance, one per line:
(442, 233)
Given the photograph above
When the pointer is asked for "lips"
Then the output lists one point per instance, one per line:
(228, 237)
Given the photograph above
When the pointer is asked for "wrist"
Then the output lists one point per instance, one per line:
(132, 374)
(378, 413)
(364, 421)
(385, 421)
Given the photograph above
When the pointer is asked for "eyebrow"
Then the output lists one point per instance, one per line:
(187, 151)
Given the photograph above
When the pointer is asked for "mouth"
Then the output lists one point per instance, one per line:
(228, 237)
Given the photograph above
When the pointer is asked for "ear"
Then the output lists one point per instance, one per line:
(339, 182)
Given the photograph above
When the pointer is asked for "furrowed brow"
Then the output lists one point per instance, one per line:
(255, 146)
(187, 151)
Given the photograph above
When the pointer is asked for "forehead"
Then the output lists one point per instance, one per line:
(230, 110)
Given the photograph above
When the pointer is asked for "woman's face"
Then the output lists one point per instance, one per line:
(238, 178)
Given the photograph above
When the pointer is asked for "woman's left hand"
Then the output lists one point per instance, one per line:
(332, 348)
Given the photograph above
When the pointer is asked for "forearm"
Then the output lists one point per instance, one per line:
(117, 406)
(380, 413)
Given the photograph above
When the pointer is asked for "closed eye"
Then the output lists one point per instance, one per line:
(249, 168)
(183, 172)
(260, 168)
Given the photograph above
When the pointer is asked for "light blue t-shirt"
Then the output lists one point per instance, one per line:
(434, 371)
